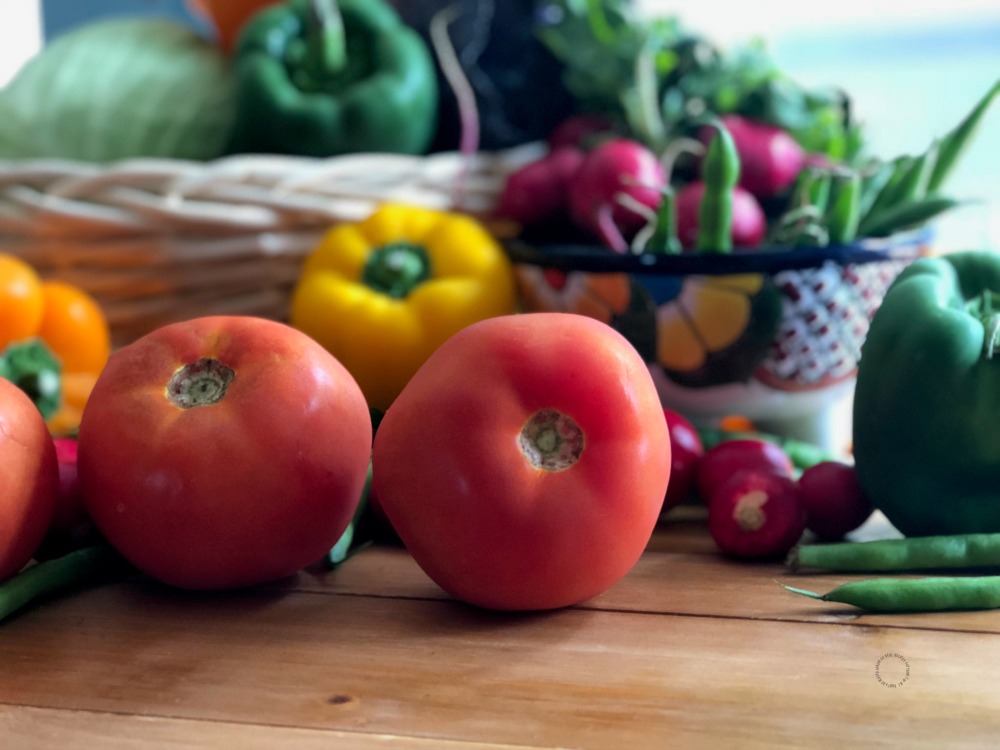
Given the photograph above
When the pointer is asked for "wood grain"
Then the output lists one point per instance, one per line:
(688, 651)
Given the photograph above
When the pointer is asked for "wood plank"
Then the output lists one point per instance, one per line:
(680, 573)
(577, 678)
(48, 729)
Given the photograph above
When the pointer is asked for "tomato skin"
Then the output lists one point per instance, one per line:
(686, 450)
(29, 479)
(483, 522)
(246, 490)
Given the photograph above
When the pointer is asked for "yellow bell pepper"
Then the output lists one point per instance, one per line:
(382, 294)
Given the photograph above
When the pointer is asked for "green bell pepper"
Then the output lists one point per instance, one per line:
(321, 78)
(31, 366)
(926, 434)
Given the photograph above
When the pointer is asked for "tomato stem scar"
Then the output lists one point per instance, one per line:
(551, 441)
(200, 383)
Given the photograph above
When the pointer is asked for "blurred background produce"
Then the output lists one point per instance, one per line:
(910, 67)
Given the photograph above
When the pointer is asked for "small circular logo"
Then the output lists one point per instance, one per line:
(892, 670)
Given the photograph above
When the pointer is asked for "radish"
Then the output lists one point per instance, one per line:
(749, 220)
(770, 158)
(538, 191)
(619, 166)
(732, 456)
(686, 450)
(834, 500)
(756, 515)
(580, 130)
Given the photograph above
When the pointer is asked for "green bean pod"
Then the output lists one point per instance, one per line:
(844, 213)
(897, 170)
(905, 216)
(912, 185)
(50, 577)
(916, 553)
(872, 186)
(896, 595)
(955, 143)
(664, 239)
(720, 172)
(813, 189)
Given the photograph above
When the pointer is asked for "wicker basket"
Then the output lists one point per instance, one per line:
(156, 241)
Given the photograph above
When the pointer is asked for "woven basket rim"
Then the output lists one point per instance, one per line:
(246, 193)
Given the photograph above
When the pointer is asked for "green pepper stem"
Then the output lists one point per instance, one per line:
(326, 53)
(396, 269)
(984, 307)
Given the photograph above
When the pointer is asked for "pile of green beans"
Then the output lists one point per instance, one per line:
(930, 594)
(838, 205)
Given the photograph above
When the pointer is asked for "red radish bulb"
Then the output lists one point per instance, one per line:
(749, 221)
(756, 515)
(538, 191)
(580, 130)
(617, 166)
(770, 158)
(71, 526)
(834, 500)
(686, 450)
(733, 456)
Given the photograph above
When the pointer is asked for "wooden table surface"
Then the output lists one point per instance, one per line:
(689, 650)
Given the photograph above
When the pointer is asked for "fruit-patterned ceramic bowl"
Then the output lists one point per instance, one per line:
(773, 335)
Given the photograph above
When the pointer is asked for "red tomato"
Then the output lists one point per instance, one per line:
(29, 479)
(525, 464)
(731, 456)
(686, 450)
(223, 452)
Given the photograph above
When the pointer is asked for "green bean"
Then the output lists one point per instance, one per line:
(664, 239)
(905, 216)
(906, 189)
(346, 546)
(914, 594)
(721, 172)
(843, 215)
(812, 189)
(916, 553)
(872, 185)
(52, 576)
(897, 169)
(955, 143)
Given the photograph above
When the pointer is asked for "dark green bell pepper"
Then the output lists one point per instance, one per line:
(321, 78)
(31, 366)
(927, 401)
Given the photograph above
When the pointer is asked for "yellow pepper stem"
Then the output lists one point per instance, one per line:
(397, 268)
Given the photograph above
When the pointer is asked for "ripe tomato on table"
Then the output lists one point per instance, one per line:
(29, 479)
(223, 452)
(525, 464)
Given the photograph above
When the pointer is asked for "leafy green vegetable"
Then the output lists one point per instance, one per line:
(120, 88)
(610, 50)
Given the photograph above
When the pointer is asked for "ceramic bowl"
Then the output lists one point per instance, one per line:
(774, 335)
